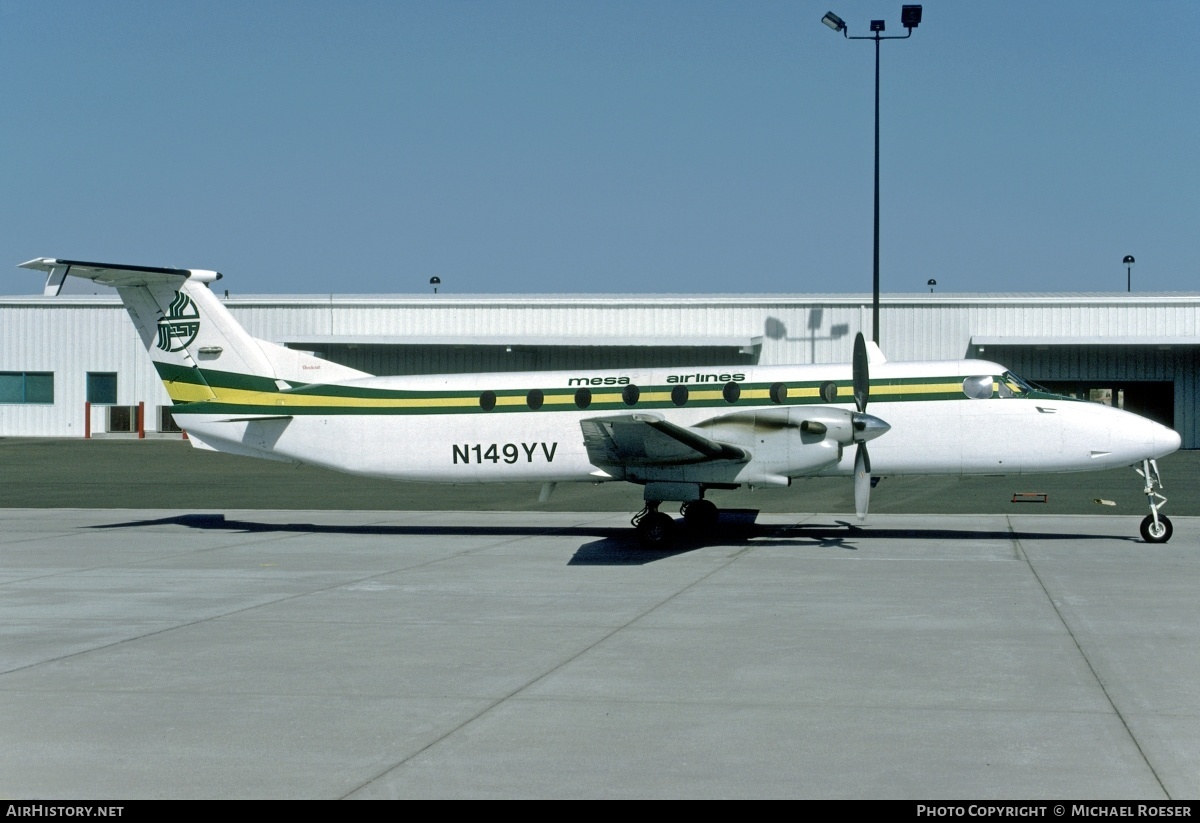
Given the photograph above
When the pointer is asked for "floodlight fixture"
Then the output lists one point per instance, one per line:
(833, 21)
(910, 18)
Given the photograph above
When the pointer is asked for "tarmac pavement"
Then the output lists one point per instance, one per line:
(209, 652)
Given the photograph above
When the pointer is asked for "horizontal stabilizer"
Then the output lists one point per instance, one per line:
(113, 274)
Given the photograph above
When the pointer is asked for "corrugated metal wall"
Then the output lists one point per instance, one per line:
(74, 335)
(439, 359)
(71, 338)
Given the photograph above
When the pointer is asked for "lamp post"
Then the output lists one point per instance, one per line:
(435, 282)
(1128, 261)
(910, 18)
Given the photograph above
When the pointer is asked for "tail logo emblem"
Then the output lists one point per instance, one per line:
(181, 324)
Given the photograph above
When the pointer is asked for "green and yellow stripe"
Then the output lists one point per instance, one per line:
(207, 391)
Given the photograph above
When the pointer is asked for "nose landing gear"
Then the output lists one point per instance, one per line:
(1155, 528)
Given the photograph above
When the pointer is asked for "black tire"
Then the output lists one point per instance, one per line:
(656, 530)
(1161, 534)
(701, 515)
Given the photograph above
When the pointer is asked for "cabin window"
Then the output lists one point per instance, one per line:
(829, 391)
(630, 394)
(487, 400)
(535, 398)
(583, 398)
(979, 387)
(731, 392)
(779, 392)
(679, 395)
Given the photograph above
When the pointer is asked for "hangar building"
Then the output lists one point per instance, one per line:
(73, 365)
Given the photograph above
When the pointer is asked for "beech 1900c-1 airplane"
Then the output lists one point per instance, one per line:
(677, 434)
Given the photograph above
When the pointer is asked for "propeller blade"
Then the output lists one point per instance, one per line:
(862, 481)
(862, 377)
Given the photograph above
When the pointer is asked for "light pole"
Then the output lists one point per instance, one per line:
(910, 18)
(1128, 261)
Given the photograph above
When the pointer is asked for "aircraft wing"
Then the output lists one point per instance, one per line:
(649, 440)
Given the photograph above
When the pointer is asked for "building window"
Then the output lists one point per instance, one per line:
(26, 387)
(166, 422)
(102, 388)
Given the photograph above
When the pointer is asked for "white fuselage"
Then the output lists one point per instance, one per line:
(941, 435)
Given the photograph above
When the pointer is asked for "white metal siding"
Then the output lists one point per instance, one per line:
(74, 335)
(71, 340)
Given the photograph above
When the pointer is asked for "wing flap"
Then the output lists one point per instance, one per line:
(649, 440)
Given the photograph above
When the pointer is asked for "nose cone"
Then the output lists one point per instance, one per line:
(1115, 437)
(1150, 439)
(1165, 441)
(868, 427)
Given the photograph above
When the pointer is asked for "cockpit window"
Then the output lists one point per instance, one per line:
(1016, 385)
(978, 388)
(983, 386)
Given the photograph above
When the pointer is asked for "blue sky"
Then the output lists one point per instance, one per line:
(548, 147)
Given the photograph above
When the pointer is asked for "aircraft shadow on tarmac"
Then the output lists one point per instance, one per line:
(618, 546)
(623, 549)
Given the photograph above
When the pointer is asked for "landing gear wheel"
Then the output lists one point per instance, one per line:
(1159, 532)
(656, 530)
(701, 515)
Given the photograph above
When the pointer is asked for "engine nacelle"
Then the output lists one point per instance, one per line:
(785, 442)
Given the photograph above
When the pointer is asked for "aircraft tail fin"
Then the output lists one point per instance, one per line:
(200, 351)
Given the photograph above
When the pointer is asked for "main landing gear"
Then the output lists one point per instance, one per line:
(656, 530)
(700, 515)
(1155, 528)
